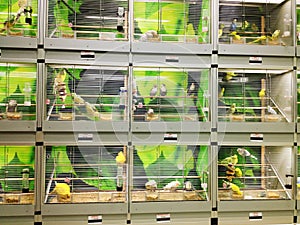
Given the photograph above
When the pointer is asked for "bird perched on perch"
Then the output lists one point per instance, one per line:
(235, 35)
(235, 189)
(230, 160)
(150, 34)
(120, 159)
(262, 93)
(229, 76)
(221, 27)
(273, 37)
(221, 93)
(271, 110)
(232, 109)
(63, 192)
(151, 185)
(153, 91)
(172, 186)
(163, 90)
(245, 153)
(191, 89)
(238, 172)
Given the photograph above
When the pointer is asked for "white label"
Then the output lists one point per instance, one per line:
(170, 137)
(255, 216)
(163, 218)
(256, 137)
(85, 137)
(95, 219)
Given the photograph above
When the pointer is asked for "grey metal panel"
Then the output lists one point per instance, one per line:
(22, 125)
(180, 126)
(267, 127)
(85, 126)
(276, 139)
(92, 45)
(17, 210)
(83, 219)
(107, 138)
(175, 218)
(74, 57)
(17, 138)
(152, 138)
(18, 42)
(268, 217)
(16, 220)
(170, 207)
(234, 61)
(18, 55)
(237, 49)
(173, 61)
(83, 209)
(171, 48)
(254, 206)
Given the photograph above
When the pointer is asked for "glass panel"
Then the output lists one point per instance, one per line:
(86, 93)
(88, 19)
(17, 174)
(170, 173)
(255, 96)
(172, 21)
(256, 22)
(85, 174)
(17, 91)
(19, 18)
(170, 94)
(254, 172)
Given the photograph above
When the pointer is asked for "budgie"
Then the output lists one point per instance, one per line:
(229, 76)
(231, 159)
(121, 159)
(262, 93)
(245, 153)
(234, 187)
(238, 172)
(151, 185)
(172, 186)
(63, 192)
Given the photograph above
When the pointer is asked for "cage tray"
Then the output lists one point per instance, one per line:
(179, 195)
(252, 194)
(86, 197)
(18, 198)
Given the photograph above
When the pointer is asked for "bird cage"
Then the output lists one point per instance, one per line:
(172, 21)
(88, 19)
(254, 172)
(17, 174)
(255, 22)
(91, 93)
(19, 18)
(170, 173)
(255, 95)
(85, 174)
(18, 91)
(170, 94)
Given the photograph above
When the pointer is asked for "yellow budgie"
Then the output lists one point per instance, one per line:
(63, 192)
(235, 189)
(235, 35)
(262, 93)
(238, 172)
(120, 159)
